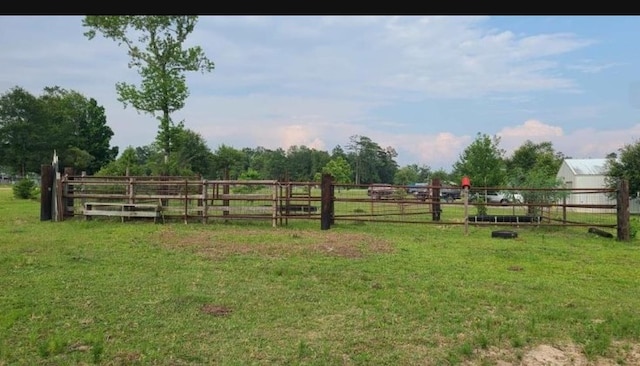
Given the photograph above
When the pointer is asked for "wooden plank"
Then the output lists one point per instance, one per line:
(121, 205)
(121, 213)
(255, 197)
(263, 209)
(122, 210)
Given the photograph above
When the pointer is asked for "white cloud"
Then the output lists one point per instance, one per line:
(592, 143)
(531, 129)
(313, 81)
(581, 143)
(592, 67)
(513, 137)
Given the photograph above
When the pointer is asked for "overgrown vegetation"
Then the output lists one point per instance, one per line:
(26, 189)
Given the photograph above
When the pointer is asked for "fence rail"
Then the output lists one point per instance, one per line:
(192, 199)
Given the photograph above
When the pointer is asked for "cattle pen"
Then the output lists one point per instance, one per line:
(193, 199)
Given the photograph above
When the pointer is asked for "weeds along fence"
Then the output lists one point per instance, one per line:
(191, 200)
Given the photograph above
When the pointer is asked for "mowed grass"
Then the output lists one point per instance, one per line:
(136, 293)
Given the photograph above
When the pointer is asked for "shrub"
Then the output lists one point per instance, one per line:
(479, 203)
(481, 208)
(634, 227)
(25, 189)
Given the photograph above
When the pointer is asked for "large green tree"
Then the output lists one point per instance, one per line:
(338, 168)
(227, 162)
(78, 129)
(156, 47)
(128, 162)
(304, 162)
(529, 157)
(31, 128)
(412, 173)
(625, 165)
(535, 165)
(24, 134)
(445, 177)
(483, 162)
(370, 162)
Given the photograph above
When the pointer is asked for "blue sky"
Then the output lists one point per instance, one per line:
(424, 85)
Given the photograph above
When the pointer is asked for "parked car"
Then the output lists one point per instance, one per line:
(498, 197)
(420, 191)
(380, 190)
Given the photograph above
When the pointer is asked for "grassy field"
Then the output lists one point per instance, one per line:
(137, 293)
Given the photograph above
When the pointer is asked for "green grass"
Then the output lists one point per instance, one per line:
(112, 293)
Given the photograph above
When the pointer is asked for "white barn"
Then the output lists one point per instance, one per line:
(585, 173)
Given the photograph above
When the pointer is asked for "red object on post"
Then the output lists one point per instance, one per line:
(466, 183)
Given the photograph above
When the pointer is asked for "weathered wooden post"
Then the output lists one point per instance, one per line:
(186, 200)
(203, 189)
(622, 208)
(203, 202)
(225, 192)
(332, 195)
(68, 203)
(435, 197)
(466, 184)
(46, 192)
(326, 206)
(131, 190)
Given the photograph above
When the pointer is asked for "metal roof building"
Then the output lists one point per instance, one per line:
(585, 173)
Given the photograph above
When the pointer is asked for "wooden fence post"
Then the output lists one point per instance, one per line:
(332, 211)
(622, 208)
(69, 203)
(203, 202)
(326, 207)
(186, 200)
(225, 191)
(465, 195)
(46, 191)
(435, 197)
(131, 190)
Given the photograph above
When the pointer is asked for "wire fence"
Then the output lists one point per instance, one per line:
(192, 199)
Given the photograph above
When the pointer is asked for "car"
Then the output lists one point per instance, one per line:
(421, 191)
(380, 190)
(417, 187)
(498, 197)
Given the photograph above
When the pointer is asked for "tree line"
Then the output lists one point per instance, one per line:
(32, 127)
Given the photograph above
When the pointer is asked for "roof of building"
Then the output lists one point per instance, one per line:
(587, 166)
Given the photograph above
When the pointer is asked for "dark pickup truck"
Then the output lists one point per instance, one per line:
(420, 191)
(450, 193)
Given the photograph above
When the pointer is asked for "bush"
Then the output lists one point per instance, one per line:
(25, 189)
(479, 203)
(481, 208)
(634, 227)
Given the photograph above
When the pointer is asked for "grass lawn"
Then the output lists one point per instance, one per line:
(137, 293)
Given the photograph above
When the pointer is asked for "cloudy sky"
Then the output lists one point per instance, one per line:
(423, 85)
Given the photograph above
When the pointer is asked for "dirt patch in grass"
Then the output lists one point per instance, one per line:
(216, 310)
(126, 358)
(558, 355)
(221, 244)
